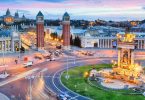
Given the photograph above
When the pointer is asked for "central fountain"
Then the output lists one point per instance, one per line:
(126, 69)
(124, 72)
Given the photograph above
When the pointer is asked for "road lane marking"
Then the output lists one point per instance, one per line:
(18, 77)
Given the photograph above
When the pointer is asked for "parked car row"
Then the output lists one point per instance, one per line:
(88, 53)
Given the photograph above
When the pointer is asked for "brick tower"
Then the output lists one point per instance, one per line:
(40, 30)
(66, 31)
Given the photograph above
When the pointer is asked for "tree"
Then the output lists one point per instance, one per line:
(54, 35)
(71, 40)
(77, 41)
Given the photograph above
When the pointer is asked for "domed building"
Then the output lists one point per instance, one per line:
(8, 19)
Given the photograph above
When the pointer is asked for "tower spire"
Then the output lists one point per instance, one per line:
(8, 12)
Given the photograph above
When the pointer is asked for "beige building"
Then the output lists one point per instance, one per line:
(99, 41)
(9, 41)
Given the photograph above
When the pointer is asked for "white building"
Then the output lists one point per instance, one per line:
(9, 41)
(98, 40)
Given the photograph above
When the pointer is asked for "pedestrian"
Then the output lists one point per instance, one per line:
(16, 61)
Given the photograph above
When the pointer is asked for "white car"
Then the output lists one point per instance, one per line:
(4, 75)
(29, 63)
(52, 59)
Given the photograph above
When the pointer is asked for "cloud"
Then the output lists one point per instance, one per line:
(82, 8)
(53, 1)
(143, 8)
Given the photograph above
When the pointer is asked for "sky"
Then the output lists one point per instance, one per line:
(116, 10)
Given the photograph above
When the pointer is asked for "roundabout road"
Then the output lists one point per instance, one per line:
(55, 84)
(41, 88)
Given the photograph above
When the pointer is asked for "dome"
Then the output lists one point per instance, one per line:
(5, 33)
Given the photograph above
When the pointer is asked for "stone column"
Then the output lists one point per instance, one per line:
(132, 56)
(137, 44)
(2, 45)
(108, 43)
(105, 43)
(5, 45)
(111, 43)
(12, 45)
(144, 45)
(102, 43)
(98, 43)
(119, 55)
(141, 44)
(9, 45)
(19, 43)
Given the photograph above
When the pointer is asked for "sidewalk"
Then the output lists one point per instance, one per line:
(9, 61)
(3, 97)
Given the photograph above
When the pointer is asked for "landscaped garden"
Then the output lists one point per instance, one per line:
(78, 83)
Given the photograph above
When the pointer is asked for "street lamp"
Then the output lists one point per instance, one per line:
(30, 88)
(3, 50)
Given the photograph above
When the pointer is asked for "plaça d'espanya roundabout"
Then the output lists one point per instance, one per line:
(122, 80)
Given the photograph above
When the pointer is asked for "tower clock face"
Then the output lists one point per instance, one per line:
(40, 18)
(67, 18)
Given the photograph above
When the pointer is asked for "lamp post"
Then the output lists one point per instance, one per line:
(30, 86)
(3, 50)
(30, 90)
(20, 49)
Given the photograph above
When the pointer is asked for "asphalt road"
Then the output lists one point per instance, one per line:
(46, 79)
(45, 83)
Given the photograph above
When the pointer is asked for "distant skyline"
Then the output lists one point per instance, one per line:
(117, 10)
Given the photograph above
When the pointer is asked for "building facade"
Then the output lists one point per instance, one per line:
(108, 42)
(9, 41)
(66, 31)
(8, 19)
(40, 30)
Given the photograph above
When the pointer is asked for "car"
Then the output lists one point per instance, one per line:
(52, 59)
(47, 57)
(38, 56)
(4, 75)
(28, 64)
(63, 97)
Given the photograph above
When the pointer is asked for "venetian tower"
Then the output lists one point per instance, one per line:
(40, 30)
(66, 31)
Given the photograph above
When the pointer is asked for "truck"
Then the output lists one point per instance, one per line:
(28, 64)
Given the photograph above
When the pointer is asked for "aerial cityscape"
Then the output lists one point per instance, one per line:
(72, 50)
